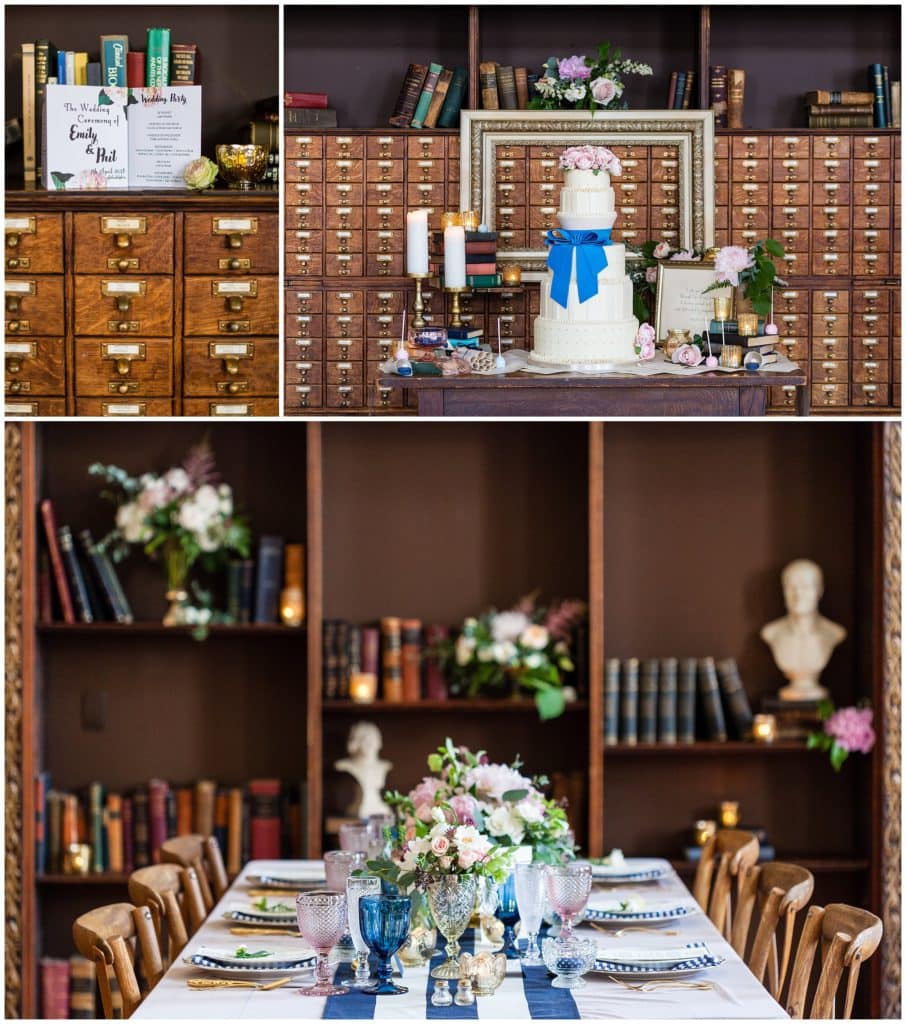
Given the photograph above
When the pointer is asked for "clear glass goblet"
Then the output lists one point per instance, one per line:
(338, 866)
(530, 900)
(356, 888)
(355, 836)
(384, 923)
(379, 845)
(452, 900)
(568, 889)
(322, 917)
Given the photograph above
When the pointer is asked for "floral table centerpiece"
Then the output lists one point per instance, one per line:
(527, 647)
(181, 517)
(577, 83)
(753, 271)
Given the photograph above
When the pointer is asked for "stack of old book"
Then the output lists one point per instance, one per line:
(727, 333)
(726, 95)
(68, 989)
(431, 96)
(830, 109)
(306, 110)
(679, 94)
(504, 87)
(481, 258)
(265, 131)
(660, 700)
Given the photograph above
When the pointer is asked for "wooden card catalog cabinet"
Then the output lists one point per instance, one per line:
(109, 300)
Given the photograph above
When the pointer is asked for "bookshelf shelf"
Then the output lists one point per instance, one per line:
(103, 878)
(477, 705)
(708, 748)
(89, 629)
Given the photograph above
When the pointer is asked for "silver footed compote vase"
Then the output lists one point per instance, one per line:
(452, 900)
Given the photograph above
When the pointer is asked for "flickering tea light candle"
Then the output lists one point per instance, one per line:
(363, 687)
(292, 606)
(449, 219)
(454, 257)
(747, 324)
(764, 728)
(77, 859)
(417, 242)
(469, 219)
(722, 308)
(511, 274)
(729, 813)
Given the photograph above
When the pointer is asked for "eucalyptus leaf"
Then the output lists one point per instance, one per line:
(513, 796)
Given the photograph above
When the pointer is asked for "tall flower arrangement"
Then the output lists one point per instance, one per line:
(528, 645)
(507, 808)
(589, 83)
(181, 517)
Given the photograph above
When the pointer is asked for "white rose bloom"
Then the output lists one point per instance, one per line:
(502, 822)
(508, 626)
(177, 480)
(534, 636)
(465, 646)
(226, 500)
(535, 660)
(130, 520)
(191, 517)
(530, 810)
(574, 93)
(207, 541)
(155, 494)
(504, 652)
(206, 497)
(437, 814)
(440, 829)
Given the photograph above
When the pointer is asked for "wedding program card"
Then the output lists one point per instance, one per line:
(164, 135)
(86, 139)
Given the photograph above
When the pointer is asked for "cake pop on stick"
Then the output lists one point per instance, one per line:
(499, 362)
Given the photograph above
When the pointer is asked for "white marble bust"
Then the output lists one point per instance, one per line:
(369, 770)
(803, 640)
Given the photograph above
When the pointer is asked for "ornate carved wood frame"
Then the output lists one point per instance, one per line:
(19, 920)
(691, 131)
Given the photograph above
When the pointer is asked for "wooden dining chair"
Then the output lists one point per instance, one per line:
(846, 937)
(203, 854)
(724, 857)
(108, 937)
(173, 896)
(768, 894)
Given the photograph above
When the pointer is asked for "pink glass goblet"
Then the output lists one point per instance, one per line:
(568, 889)
(322, 920)
(355, 836)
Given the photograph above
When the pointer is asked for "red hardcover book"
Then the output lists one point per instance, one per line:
(305, 100)
(128, 858)
(135, 69)
(56, 561)
(481, 268)
(480, 247)
(157, 816)
(54, 988)
(371, 646)
(264, 813)
(435, 684)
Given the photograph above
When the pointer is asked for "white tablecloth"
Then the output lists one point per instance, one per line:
(735, 993)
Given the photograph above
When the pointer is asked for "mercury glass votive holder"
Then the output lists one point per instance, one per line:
(722, 305)
(731, 356)
(764, 728)
(747, 324)
(242, 167)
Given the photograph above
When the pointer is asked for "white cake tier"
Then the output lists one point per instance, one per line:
(612, 303)
(585, 343)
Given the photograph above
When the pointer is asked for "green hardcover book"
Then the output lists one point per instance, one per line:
(483, 280)
(157, 61)
(96, 826)
(449, 112)
(113, 60)
(424, 101)
(45, 66)
(685, 701)
(612, 702)
(709, 690)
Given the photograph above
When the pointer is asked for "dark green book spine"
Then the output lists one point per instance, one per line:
(612, 702)
(735, 699)
(45, 66)
(157, 59)
(449, 112)
(667, 701)
(685, 703)
(648, 701)
(710, 692)
(96, 826)
(876, 79)
(629, 702)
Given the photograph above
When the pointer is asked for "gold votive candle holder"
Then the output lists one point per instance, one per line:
(363, 687)
(722, 307)
(511, 274)
(729, 813)
(292, 606)
(703, 830)
(747, 324)
(731, 355)
(764, 728)
(470, 220)
(449, 219)
(77, 859)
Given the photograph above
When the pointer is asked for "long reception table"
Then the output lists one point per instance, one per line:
(526, 992)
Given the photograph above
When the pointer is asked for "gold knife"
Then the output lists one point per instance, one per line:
(234, 983)
(265, 931)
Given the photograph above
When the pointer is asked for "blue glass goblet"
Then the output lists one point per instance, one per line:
(508, 914)
(384, 923)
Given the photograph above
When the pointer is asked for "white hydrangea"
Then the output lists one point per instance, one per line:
(130, 520)
(575, 92)
(177, 480)
(508, 625)
(504, 652)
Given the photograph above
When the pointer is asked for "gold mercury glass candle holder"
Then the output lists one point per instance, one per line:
(363, 687)
(511, 274)
(77, 859)
(450, 219)
(731, 356)
(764, 728)
(470, 220)
(722, 307)
(418, 321)
(242, 167)
(747, 324)
(729, 813)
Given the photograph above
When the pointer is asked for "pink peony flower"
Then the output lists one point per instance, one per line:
(645, 349)
(661, 251)
(645, 333)
(603, 90)
(852, 729)
(464, 806)
(425, 792)
(573, 67)
(730, 262)
(688, 355)
(651, 275)
(584, 162)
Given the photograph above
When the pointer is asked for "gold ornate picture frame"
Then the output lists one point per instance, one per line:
(482, 132)
(681, 300)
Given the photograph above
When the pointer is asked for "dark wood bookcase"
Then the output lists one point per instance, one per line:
(674, 533)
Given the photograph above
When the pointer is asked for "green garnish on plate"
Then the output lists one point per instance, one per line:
(282, 908)
(246, 954)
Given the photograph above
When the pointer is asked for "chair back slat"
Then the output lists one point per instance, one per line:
(172, 896)
(802, 966)
(829, 979)
(724, 859)
(745, 906)
(203, 854)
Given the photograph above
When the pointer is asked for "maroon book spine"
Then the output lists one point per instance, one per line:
(435, 684)
(55, 988)
(126, 815)
(157, 817)
(371, 646)
(671, 94)
(410, 92)
(305, 100)
(56, 560)
(264, 796)
(135, 69)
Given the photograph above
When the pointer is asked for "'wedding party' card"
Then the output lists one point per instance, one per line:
(164, 135)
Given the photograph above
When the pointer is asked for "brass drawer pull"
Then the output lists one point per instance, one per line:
(234, 326)
(12, 240)
(235, 241)
(234, 303)
(123, 326)
(123, 241)
(122, 387)
(123, 303)
(232, 387)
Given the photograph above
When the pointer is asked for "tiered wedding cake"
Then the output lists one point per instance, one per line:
(601, 329)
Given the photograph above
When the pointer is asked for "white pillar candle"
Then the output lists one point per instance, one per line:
(417, 242)
(454, 257)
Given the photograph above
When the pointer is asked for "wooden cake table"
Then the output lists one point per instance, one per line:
(576, 394)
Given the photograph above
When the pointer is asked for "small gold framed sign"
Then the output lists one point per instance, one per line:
(682, 303)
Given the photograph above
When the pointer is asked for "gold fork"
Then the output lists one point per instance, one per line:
(264, 931)
(235, 983)
(649, 986)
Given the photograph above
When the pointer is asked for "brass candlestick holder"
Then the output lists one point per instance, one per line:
(455, 311)
(418, 321)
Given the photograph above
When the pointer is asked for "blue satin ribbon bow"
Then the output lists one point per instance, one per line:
(591, 259)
